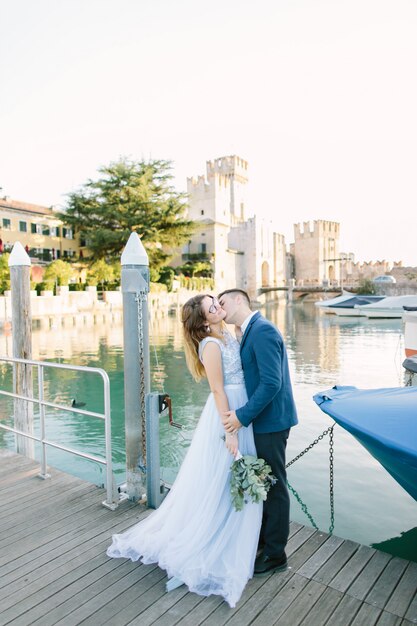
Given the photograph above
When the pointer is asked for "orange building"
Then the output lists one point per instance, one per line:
(39, 230)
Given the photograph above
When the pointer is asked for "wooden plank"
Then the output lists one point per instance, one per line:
(411, 614)
(9, 479)
(33, 488)
(320, 557)
(131, 604)
(40, 539)
(257, 594)
(75, 498)
(366, 616)
(302, 604)
(181, 608)
(29, 609)
(336, 562)
(386, 583)
(201, 612)
(323, 609)
(404, 593)
(143, 593)
(44, 574)
(388, 619)
(344, 612)
(280, 603)
(65, 544)
(83, 605)
(352, 569)
(369, 575)
(306, 550)
(158, 608)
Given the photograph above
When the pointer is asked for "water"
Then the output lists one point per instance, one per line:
(370, 507)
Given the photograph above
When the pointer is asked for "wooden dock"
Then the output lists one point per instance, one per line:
(54, 569)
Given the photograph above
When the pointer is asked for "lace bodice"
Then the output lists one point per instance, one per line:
(232, 366)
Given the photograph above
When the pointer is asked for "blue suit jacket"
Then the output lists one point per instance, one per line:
(271, 405)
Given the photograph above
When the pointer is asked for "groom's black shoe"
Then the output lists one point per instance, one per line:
(266, 565)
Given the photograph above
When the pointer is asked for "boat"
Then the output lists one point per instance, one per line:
(384, 421)
(351, 307)
(325, 305)
(410, 330)
(391, 306)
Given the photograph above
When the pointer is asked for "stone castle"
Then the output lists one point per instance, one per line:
(248, 253)
(244, 252)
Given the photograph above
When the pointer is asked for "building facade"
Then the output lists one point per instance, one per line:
(244, 252)
(39, 230)
(317, 258)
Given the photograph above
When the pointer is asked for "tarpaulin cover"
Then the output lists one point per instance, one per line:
(384, 421)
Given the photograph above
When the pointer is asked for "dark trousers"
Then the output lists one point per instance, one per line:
(276, 513)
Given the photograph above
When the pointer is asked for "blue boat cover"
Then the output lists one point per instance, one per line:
(384, 421)
(350, 304)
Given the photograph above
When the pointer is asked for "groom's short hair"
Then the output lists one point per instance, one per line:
(235, 292)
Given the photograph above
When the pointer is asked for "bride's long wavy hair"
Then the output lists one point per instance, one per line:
(195, 328)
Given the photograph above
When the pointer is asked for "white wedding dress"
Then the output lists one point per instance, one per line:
(196, 535)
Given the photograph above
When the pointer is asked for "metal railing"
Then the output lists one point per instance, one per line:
(113, 498)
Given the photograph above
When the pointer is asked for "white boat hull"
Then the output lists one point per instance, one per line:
(410, 332)
(348, 312)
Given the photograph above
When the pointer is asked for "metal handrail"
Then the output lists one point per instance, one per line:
(112, 500)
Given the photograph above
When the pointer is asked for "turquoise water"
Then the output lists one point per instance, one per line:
(369, 506)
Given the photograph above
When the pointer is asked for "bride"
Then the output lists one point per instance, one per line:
(196, 535)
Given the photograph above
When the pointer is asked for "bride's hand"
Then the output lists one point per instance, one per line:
(232, 443)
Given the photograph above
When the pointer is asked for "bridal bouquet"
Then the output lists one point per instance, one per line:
(251, 478)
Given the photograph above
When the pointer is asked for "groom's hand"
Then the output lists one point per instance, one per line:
(230, 421)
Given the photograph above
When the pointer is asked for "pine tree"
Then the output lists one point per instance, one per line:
(130, 196)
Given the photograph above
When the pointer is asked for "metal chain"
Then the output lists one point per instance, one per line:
(319, 438)
(331, 479)
(328, 431)
(303, 506)
(139, 298)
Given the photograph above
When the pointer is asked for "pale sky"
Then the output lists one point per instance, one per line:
(320, 96)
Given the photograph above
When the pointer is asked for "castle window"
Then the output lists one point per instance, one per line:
(6, 224)
(202, 211)
(202, 248)
(45, 231)
(23, 227)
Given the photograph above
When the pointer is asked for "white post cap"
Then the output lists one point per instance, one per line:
(19, 256)
(134, 252)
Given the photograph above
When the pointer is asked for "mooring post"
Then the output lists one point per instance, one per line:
(153, 470)
(19, 263)
(135, 289)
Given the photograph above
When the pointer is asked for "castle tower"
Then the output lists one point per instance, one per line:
(316, 252)
(217, 202)
(221, 195)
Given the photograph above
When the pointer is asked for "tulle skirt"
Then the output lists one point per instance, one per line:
(196, 535)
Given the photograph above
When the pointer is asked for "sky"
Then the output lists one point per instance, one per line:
(319, 96)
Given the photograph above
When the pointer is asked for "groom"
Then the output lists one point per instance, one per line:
(271, 410)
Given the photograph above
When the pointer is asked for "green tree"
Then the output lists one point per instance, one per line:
(4, 272)
(58, 272)
(100, 272)
(130, 196)
(366, 287)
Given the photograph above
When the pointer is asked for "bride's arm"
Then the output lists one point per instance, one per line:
(213, 365)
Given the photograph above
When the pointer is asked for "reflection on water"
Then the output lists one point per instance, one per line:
(323, 351)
